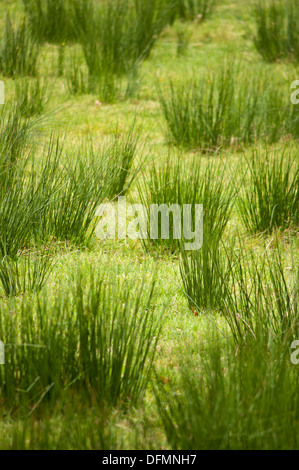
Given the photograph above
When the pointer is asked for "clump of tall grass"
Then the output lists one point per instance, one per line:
(19, 188)
(271, 199)
(20, 203)
(122, 151)
(118, 36)
(31, 97)
(15, 133)
(187, 182)
(98, 340)
(107, 86)
(192, 9)
(183, 39)
(24, 274)
(232, 107)
(77, 77)
(59, 199)
(242, 396)
(229, 398)
(76, 186)
(205, 275)
(262, 296)
(276, 34)
(257, 294)
(19, 53)
(52, 20)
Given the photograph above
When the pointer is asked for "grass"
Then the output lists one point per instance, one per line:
(15, 133)
(229, 107)
(205, 276)
(192, 9)
(27, 273)
(143, 344)
(51, 21)
(19, 53)
(106, 351)
(252, 406)
(270, 201)
(186, 183)
(276, 34)
(257, 294)
(60, 200)
(31, 97)
(77, 78)
(262, 296)
(117, 37)
(76, 189)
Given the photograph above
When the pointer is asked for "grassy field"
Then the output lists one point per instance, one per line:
(140, 344)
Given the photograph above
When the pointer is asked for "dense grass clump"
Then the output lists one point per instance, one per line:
(98, 340)
(15, 134)
(276, 34)
(27, 273)
(261, 298)
(52, 20)
(57, 199)
(31, 97)
(76, 185)
(117, 37)
(271, 199)
(205, 275)
(78, 81)
(182, 183)
(232, 107)
(192, 9)
(19, 188)
(19, 53)
(233, 399)
(243, 396)
(257, 294)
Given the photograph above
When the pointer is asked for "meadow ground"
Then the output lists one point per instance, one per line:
(80, 370)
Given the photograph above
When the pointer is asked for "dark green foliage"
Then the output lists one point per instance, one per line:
(276, 35)
(51, 20)
(117, 37)
(31, 97)
(19, 53)
(233, 399)
(205, 277)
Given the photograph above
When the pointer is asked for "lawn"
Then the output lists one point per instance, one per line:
(124, 343)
